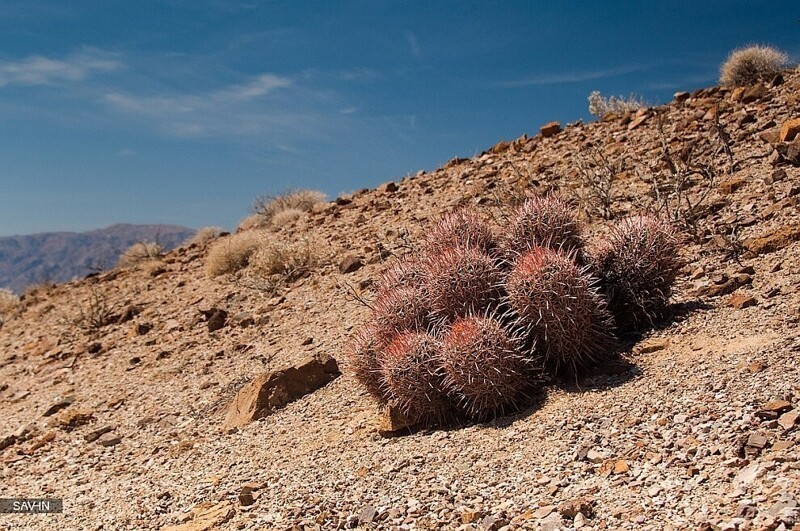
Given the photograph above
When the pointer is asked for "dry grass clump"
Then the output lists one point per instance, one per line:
(749, 65)
(140, 252)
(8, 302)
(252, 222)
(232, 253)
(600, 106)
(269, 206)
(284, 260)
(204, 236)
(285, 217)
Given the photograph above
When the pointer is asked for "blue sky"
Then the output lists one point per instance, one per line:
(181, 111)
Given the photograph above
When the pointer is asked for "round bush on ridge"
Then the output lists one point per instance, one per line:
(413, 380)
(637, 264)
(461, 281)
(484, 370)
(362, 360)
(557, 305)
(463, 227)
(749, 65)
(542, 222)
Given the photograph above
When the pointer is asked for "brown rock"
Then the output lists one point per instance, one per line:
(790, 129)
(388, 187)
(273, 390)
(70, 419)
(394, 422)
(246, 496)
(773, 241)
(550, 129)
(788, 420)
(756, 92)
(740, 301)
(729, 285)
(500, 147)
(778, 406)
(141, 329)
(731, 185)
(737, 93)
(638, 121)
(58, 406)
(96, 434)
(756, 440)
(771, 137)
(109, 439)
(654, 345)
(350, 264)
(570, 508)
(215, 318)
(206, 517)
(681, 96)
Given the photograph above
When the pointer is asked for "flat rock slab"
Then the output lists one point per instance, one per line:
(271, 391)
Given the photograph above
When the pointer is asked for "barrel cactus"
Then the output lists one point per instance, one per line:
(542, 222)
(463, 227)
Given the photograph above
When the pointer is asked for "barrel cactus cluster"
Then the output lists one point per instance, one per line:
(466, 327)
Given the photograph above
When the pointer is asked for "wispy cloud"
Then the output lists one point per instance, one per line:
(40, 70)
(570, 77)
(413, 43)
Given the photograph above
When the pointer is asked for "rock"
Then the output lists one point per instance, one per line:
(215, 318)
(746, 511)
(653, 345)
(206, 517)
(758, 441)
(389, 187)
(543, 512)
(493, 522)
(729, 285)
(243, 320)
(773, 241)
(748, 474)
(393, 422)
(367, 515)
(790, 129)
(681, 96)
(140, 329)
(740, 301)
(550, 129)
(70, 419)
(246, 496)
(731, 185)
(500, 147)
(468, 516)
(788, 420)
(273, 390)
(636, 122)
(777, 407)
(756, 92)
(570, 508)
(109, 439)
(350, 264)
(58, 406)
(776, 176)
(96, 434)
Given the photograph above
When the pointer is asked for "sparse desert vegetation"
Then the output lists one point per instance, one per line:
(602, 106)
(8, 302)
(204, 236)
(139, 253)
(751, 64)
(232, 253)
(285, 207)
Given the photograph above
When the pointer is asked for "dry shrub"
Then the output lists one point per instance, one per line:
(751, 64)
(140, 252)
(232, 253)
(600, 106)
(268, 206)
(285, 217)
(252, 222)
(282, 260)
(8, 302)
(204, 236)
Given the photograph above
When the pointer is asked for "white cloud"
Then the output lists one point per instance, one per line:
(39, 70)
(261, 86)
(570, 77)
(413, 43)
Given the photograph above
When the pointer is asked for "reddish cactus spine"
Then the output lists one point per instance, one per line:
(362, 360)
(637, 264)
(558, 306)
(542, 222)
(412, 378)
(463, 227)
(484, 370)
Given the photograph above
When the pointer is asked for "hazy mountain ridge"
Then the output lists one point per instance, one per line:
(61, 256)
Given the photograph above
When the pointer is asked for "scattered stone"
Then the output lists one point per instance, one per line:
(70, 419)
(393, 422)
(741, 301)
(542, 512)
(141, 329)
(109, 439)
(367, 515)
(788, 420)
(388, 187)
(92, 436)
(772, 409)
(493, 522)
(350, 264)
(206, 517)
(681, 96)
(469, 516)
(654, 345)
(731, 185)
(570, 508)
(756, 92)
(243, 320)
(773, 241)
(215, 318)
(246, 497)
(758, 441)
(273, 390)
(58, 406)
(790, 129)
(550, 129)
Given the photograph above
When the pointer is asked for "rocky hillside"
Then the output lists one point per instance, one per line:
(63, 256)
(141, 420)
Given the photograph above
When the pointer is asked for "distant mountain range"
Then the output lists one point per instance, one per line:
(62, 256)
